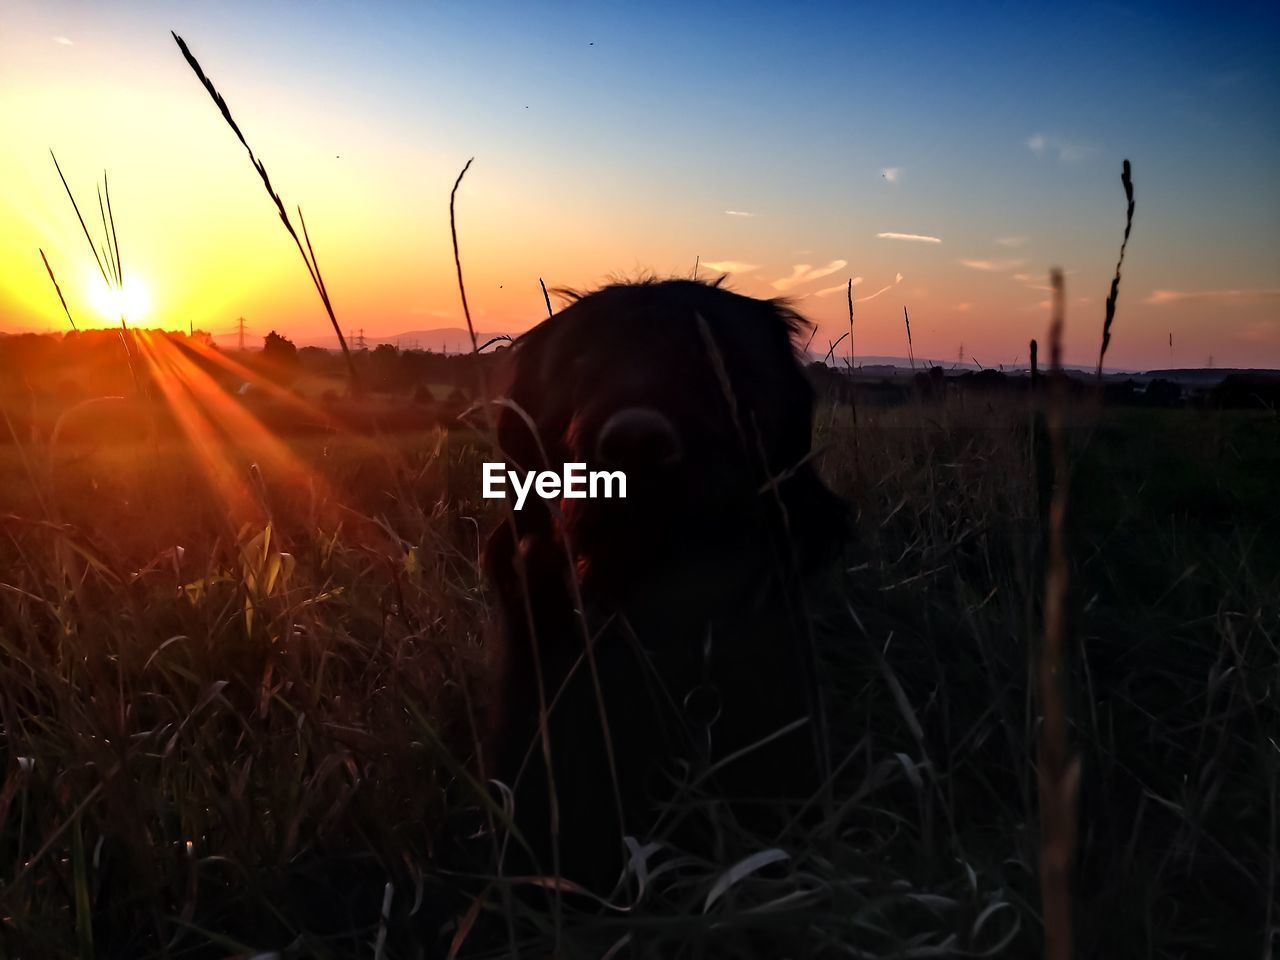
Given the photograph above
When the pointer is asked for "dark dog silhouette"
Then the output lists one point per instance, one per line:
(690, 591)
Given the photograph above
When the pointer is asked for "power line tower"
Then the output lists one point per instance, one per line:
(240, 329)
(360, 345)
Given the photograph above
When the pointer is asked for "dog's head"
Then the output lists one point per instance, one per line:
(695, 393)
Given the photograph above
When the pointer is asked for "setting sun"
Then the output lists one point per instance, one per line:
(131, 300)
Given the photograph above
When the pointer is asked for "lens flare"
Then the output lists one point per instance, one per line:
(131, 300)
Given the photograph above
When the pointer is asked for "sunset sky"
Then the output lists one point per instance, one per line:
(945, 156)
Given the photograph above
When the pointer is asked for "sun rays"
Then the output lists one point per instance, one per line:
(129, 300)
(221, 430)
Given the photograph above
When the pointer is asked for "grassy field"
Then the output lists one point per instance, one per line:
(221, 738)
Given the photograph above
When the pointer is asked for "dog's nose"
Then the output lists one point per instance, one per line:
(636, 438)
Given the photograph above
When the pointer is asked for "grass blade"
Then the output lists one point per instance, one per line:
(312, 267)
(1126, 178)
(57, 289)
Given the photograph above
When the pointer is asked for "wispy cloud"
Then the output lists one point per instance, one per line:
(992, 266)
(838, 288)
(1043, 144)
(729, 266)
(891, 174)
(888, 286)
(1011, 241)
(739, 213)
(1211, 296)
(872, 296)
(803, 273)
(913, 237)
(64, 41)
(1031, 281)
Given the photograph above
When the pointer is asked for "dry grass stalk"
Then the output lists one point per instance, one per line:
(849, 295)
(546, 297)
(1058, 771)
(111, 217)
(522, 574)
(93, 247)
(57, 289)
(307, 253)
(106, 256)
(457, 260)
(831, 349)
(1126, 178)
(853, 401)
(911, 350)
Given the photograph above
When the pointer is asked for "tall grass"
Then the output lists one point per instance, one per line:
(314, 754)
(308, 252)
(106, 256)
(1058, 772)
(1126, 180)
(911, 352)
(57, 289)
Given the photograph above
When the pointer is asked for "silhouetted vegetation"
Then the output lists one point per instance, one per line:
(279, 357)
(1247, 391)
(312, 754)
(246, 673)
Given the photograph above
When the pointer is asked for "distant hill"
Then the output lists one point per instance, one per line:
(1208, 375)
(872, 365)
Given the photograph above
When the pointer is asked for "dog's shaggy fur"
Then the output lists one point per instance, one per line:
(690, 591)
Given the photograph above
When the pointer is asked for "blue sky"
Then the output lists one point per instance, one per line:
(617, 137)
